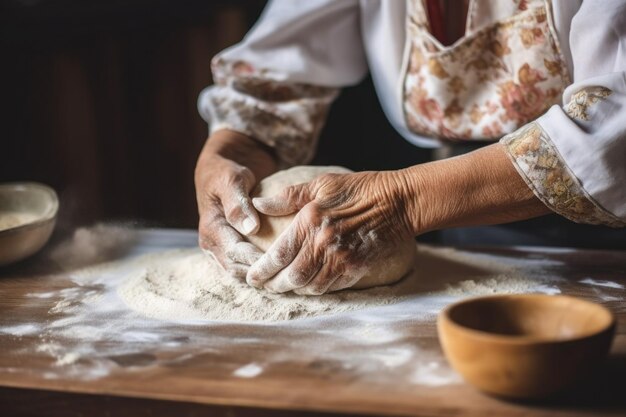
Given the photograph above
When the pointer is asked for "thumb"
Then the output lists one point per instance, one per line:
(288, 201)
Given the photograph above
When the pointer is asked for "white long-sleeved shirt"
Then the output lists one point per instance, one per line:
(277, 84)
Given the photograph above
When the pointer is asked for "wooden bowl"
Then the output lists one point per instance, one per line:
(525, 346)
(27, 217)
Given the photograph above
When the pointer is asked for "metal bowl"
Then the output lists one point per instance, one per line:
(28, 214)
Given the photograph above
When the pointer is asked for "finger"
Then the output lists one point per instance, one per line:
(243, 252)
(299, 272)
(238, 271)
(280, 254)
(344, 282)
(321, 282)
(225, 243)
(234, 269)
(288, 201)
(233, 247)
(238, 207)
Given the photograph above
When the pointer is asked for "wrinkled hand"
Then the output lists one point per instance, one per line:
(223, 189)
(344, 224)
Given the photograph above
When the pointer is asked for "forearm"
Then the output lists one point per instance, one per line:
(478, 188)
(244, 150)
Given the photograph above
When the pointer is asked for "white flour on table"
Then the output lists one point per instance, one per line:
(189, 285)
(373, 335)
(93, 245)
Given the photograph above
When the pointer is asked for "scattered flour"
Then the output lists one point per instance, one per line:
(393, 357)
(188, 285)
(68, 358)
(175, 296)
(502, 284)
(602, 283)
(93, 245)
(434, 374)
(21, 329)
(250, 370)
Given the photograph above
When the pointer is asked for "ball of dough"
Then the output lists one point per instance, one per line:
(386, 272)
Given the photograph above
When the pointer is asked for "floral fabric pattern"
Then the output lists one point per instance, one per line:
(284, 115)
(543, 169)
(581, 101)
(491, 82)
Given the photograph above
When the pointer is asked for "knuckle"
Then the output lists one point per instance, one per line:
(342, 254)
(239, 176)
(326, 178)
(211, 210)
(296, 279)
(337, 265)
(205, 244)
(206, 239)
(278, 256)
(232, 212)
(327, 184)
(311, 213)
(205, 230)
(207, 199)
(349, 254)
(328, 236)
(298, 195)
(316, 289)
(343, 282)
(231, 252)
(245, 173)
(243, 252)
(208, 230)
(238, 272)
(292, 193)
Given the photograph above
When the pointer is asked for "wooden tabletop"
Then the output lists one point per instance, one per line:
(89, 359)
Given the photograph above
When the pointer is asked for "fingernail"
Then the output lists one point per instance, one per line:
(253, 282)
(256, 201)
(248, 225)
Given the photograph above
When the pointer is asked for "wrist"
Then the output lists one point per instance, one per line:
(478, 188)
(225, 147)
(404, 195)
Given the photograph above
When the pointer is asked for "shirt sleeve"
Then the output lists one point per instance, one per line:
(574, 156)
(279, 82)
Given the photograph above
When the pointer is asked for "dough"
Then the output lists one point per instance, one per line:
(384, 273)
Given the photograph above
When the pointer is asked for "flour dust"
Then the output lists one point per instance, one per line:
(162, 302)
(188, 285)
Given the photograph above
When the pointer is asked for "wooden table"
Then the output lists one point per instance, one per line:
(247, 369)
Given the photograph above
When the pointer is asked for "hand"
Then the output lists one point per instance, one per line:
(223, 185)
(344, 224)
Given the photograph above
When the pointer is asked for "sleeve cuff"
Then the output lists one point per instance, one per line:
(285, 116)
(539, 163)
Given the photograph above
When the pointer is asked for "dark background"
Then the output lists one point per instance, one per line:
(99, 101)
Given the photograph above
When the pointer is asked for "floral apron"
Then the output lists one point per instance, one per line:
(505, 72)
